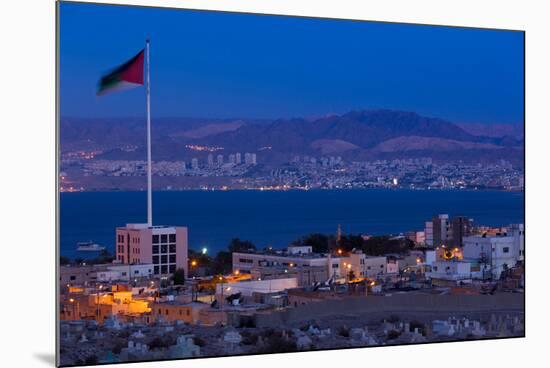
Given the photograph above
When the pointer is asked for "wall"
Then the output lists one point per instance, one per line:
(392, 304)
(263, 286)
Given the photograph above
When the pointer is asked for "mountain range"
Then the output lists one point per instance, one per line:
(358, 135)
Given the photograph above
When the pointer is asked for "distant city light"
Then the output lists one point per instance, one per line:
(195, 147)
(204, 250)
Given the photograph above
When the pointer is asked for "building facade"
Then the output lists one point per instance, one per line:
(496, 253)
(165, 247)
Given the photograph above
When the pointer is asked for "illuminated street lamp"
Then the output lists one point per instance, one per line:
(204, 250)
(73, 308)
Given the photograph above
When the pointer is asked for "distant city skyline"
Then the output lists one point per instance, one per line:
(229, 65)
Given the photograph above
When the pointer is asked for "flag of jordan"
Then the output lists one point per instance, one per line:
(126, 76)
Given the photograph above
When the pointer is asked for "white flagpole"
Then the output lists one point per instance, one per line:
(149, 185)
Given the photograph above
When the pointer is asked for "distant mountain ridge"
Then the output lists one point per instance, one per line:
(364, 134)
(364, 129)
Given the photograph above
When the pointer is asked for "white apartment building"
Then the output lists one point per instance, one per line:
(498, 252)
(125, 272)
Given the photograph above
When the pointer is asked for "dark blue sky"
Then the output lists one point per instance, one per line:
(207, 64)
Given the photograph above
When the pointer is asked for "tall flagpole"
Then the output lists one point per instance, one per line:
(149, 185)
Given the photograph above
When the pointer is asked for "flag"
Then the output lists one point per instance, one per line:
(126, 76)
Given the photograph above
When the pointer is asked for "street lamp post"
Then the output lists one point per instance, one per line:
(221, 299)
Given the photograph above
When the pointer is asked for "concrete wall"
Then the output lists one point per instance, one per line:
(393, 304)
(263, 286)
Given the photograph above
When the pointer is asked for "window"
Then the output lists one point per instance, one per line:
(172, 238)
(505, 250)
(335, 265)
(188, 312)
(164, 238)
(172, 258)
(155, 249)
(172, 248)
(172, 268)
(163, 259)
(156, 259)
(73, 278)
(164, 248)
(164, 269)
(136, 272)
(156, 270)
(155, 239)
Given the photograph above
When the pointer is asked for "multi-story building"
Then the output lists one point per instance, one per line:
(250, 158)
(496, 253)
(219, 160)
(354, 264)
(165, 247)
(429, 233)
(460, 227)
(238, 159)
(195, 163)
(442, 230)
(210, 160)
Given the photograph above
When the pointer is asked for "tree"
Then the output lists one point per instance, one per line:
(319, 243)
(63, 261)
(222, 263)
(238, 245)
(179, 277)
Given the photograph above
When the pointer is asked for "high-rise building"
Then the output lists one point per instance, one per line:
(219, 160)
(461, 227)
(429, 233)
(238, 160)
(253, 159)
(194, 163)
(232, 159)
(210, 160)
(165, 247)
(442, 230)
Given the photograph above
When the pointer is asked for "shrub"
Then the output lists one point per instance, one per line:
(393, 334)
(199, 342)
(343, 331)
